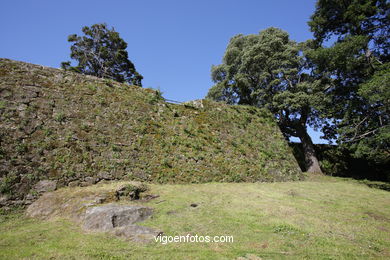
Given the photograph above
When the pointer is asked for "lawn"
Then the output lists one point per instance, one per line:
(322, 218)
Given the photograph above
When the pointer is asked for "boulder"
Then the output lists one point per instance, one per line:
(109, 216)
(119, 220)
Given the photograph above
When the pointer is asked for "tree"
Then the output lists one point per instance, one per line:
(358, 63)
(269, 70)
(101, 52)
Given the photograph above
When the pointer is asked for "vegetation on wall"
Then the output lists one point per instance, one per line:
(79, 129)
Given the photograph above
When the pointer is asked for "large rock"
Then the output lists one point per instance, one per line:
(119, 220)
(109, 216)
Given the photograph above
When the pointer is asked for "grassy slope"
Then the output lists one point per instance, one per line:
(324, 218)
(66, 126)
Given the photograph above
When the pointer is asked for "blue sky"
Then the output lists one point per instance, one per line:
(172, 43)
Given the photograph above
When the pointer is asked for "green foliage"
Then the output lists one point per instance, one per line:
(269, 70)
(351, 17)
(377, 88)
(102, 52)
(3, 104)
(21, 148)
(60, 117)
(376, 91)
(358, 64)
(156, 95)
(340, 160)
(7, 182)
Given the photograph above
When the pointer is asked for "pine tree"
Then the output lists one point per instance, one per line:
(101, 52)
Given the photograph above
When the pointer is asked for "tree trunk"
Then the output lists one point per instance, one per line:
(311, 161)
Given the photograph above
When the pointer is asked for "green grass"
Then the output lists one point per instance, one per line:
(323, 218)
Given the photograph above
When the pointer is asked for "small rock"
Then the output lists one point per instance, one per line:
(131, 191)
(105, 176)
(96, 200)
(28, 202)
(73, 183)
(194, 205)
(6, 208)
(18, 202)
(198, 103)
(3, 200)
(30, 197)
(90, 180)
(45, 186)
(100, 199)
(22, 107)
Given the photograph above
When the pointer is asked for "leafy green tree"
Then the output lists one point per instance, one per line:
(358, 63)
(101, 52)
(269, 70)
